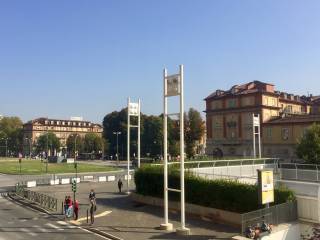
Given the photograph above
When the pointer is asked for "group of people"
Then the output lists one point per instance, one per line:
(72, 208)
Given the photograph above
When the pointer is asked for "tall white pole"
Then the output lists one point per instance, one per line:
(165, 147)
(259, 137)
(128, 147)
(139, 108)
(254, 137)
(182, 150)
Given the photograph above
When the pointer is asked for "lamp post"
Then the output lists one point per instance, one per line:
(30, 142)
(47, 152)
(117, 133)
(6, 139)
(75, 147)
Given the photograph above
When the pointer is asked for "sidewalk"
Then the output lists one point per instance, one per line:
(118, 215)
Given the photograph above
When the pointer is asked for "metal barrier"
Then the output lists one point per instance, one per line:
(300, 172)
(45, 201)
(281, 213)
(221, 163)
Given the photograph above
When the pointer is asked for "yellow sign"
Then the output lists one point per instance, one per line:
(266, 186)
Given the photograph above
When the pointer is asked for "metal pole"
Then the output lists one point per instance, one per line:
(254, 137)
(165, 147)
(117, 148)
(128, 147)
(139, 107)
(47, 152)
(259, 137)
(75, 147)
(30, 142)
(182, 150)
(6, 147)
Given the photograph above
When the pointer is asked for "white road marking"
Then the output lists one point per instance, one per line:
(66, 224)
(28, 232)
(105, 213)
(54, 226)
(23, 220)
(41, 229)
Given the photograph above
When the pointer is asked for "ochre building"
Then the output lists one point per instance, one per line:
(229, 120)
(61, 128)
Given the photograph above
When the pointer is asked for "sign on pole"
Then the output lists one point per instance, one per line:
(256, 132)
(134, 110)
(265, 184)
(173, 86)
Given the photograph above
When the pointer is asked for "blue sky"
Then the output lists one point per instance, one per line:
(84, 58)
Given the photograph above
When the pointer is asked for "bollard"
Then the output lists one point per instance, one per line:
(87, 216)
(62, 209)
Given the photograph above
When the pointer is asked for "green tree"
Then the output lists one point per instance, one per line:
(152, 137)
(75, 142)
(11, 132)
(93, 143)
(308, 147)
(48, 141)
(117, 122)
(112, 123)
(194, 130)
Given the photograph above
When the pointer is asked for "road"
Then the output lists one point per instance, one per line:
(17, 222)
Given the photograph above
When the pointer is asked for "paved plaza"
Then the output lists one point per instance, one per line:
(118, 215)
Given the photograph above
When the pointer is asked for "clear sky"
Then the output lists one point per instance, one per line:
(84, 58)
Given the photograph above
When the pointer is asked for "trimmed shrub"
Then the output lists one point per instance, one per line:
(228, 195)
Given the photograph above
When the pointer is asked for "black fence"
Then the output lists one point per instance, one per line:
(281, 213)
(45, 201)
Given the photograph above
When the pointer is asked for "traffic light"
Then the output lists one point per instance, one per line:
(74, 186)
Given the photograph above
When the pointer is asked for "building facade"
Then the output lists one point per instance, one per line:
(229, 116)
(33, 129)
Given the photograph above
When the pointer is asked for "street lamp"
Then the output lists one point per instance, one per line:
(75, 147)
(30, 142)
(47, 152)
(6, 139)
(117, 133)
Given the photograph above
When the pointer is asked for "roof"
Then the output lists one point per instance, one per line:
(296, 119)
(43, 119)
(247, 88)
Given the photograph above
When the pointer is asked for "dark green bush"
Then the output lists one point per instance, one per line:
(221, 194)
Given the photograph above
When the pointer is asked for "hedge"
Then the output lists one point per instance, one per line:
(228, 195)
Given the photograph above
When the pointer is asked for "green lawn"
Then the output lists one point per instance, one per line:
(31, 167)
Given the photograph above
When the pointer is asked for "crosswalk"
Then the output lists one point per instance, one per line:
(49, 227)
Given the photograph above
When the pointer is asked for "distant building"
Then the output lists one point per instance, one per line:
(1, 117)
(229, 118)
(61, 128)
(280, 136)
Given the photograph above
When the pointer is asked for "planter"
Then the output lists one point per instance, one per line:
(212, 214)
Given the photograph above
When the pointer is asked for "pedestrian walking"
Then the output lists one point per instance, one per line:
(70, 207)
(76, 209)
(120, 184)
(66, 205)
(92, 195)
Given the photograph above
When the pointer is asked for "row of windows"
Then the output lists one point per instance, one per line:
(68, 123)
(74, 129)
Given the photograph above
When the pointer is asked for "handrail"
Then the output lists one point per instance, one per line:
(251, 160)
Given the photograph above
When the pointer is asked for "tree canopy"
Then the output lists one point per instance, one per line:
(152, 133)
(11, 134)
(48, 142)
(308, 147)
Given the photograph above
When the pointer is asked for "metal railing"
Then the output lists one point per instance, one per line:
(221, 163)
(300, 172)
(281, 213)
(43, 200)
